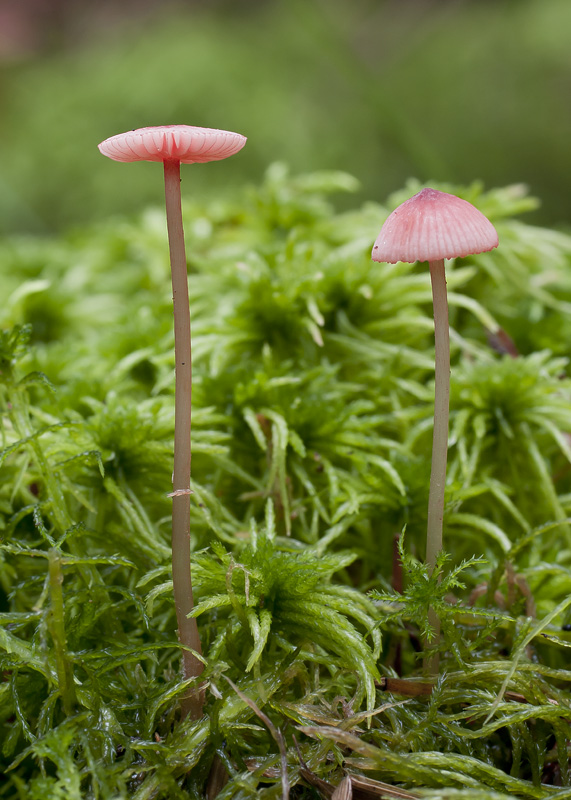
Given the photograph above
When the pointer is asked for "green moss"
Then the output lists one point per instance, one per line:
(312, 415)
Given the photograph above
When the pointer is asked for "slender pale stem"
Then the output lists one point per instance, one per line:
(182, 582)
(440, 435)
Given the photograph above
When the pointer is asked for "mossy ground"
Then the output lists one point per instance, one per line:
(312, 413)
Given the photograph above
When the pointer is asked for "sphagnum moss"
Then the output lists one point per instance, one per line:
(325, 432)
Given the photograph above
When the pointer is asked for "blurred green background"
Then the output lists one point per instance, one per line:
(451, 90)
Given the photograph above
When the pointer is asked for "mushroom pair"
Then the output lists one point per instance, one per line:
(432, 226)
(174, 145)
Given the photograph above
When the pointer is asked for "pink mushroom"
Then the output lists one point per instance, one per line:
(173, 145)
(432, 226)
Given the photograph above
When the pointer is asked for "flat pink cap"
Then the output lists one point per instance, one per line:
(433, 225)
(184, 143)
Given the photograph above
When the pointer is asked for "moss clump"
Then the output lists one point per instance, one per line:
(312, 417)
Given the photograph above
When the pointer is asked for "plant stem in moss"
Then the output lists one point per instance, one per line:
(56, 625)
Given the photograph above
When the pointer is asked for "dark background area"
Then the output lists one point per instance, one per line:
(444, 90)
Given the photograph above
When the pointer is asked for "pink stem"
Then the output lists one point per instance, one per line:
(182, 582)
(440, 435)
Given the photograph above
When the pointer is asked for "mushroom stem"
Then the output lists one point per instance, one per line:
(182, 582)
(440, 435)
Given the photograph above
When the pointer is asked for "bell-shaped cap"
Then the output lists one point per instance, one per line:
(184, 143)
(433, 225)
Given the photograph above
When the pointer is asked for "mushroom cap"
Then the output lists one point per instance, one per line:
(431, 226)
(184, 143)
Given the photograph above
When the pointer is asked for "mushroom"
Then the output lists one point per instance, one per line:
(432, 226)
(173, 145)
